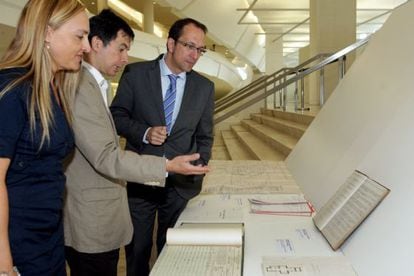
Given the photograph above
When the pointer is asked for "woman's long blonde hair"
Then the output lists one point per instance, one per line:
(28, 50)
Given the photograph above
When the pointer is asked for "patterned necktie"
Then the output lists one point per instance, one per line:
(169, 101)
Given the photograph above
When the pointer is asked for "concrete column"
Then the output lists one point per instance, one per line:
(273, 61)
(148, 11)
(332, 27)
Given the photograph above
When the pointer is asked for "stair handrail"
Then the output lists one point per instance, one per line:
(245, 89)
(299, 76)
(240, 91)
(262, 82)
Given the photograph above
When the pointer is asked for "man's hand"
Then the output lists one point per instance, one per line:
(156, 135)
(181, 164)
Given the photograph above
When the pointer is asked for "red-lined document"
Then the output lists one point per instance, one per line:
(295, 205)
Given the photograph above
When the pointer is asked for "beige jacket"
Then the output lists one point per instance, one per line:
(96, 213)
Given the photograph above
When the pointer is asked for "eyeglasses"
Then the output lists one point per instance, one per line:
(200, 50)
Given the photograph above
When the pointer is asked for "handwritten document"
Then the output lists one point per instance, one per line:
(348, 207)
(202, 249)
(249, 176)
(213, 208)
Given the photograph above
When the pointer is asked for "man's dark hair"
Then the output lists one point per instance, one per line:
(106, 25)
(176, 29)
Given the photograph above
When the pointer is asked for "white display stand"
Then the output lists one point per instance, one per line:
(265, 235)
(367, 124)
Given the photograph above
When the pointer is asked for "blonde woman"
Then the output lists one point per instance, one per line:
(38, 75)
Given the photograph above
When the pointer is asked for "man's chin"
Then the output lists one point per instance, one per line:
(111, 74)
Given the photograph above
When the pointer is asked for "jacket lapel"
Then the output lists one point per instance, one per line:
(155, 91)
(102, 106)
(187, 100)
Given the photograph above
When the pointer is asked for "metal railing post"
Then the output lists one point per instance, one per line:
(322, 86)
(284, 90)
(280, 95)
(281, 102)
(341, 67)
(265, 99)
(274, 96)
(302, 95)
(296, 96)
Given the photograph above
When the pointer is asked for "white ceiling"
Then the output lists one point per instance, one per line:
(289, 20)
(283, 19)
(286, 20)
(236, 33)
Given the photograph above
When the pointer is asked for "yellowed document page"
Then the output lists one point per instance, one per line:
(202, 249)
(249, 176)
(349, 206)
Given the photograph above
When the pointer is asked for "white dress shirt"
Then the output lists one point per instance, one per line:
(102, 82)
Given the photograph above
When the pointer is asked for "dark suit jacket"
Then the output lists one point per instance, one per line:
(138, 105)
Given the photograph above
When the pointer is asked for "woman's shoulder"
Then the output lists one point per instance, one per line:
(8, 75)
(12, 73)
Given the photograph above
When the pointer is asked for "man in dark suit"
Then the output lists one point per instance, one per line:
(164, 108)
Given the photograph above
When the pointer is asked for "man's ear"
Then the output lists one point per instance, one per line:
(96, 43)
(170, 45)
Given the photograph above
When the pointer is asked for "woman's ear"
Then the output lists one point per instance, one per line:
(49, 34)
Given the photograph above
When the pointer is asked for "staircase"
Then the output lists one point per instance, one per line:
(268, 135)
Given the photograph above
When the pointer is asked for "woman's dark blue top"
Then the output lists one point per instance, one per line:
(35, 180)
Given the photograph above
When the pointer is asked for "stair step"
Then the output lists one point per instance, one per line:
(290, 127)
(257, 147)
(236, 150)
(220, 153)
(305, 117)
(219, 150)
(281, 141)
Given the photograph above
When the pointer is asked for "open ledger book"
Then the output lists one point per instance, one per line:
(202, 249)
(348, 208)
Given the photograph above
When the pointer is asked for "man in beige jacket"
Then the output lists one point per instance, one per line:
(96, 215)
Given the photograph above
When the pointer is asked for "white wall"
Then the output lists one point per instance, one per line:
(367, 124)
(10, 11)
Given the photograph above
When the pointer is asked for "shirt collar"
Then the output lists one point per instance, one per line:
(165, 71)
(96, 74)
(102, 82)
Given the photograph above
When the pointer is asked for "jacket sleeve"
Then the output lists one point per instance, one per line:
(96, 140)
